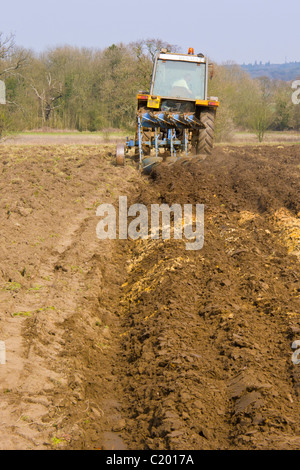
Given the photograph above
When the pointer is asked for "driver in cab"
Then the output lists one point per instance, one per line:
(182, 87)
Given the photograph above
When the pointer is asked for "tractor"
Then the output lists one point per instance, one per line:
(175, 120)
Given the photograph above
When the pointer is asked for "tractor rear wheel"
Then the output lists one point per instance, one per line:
(206, 135)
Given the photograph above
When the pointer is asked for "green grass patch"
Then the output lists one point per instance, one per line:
(12, 286)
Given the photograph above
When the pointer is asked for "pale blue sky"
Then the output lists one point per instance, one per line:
(236, 30)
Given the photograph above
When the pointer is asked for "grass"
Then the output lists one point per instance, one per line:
(270, 138)
(110, 137)
(69, 138)
(12, 286)
(55, 132)
(35, 288)
(29, 314)
(255, 144)
(22, 314)
(56, 441)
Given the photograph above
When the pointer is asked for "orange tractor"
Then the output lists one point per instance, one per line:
(176, 118)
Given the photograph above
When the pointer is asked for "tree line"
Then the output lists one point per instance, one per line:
(91, 90)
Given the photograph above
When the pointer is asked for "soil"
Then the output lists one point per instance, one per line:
(141, 344)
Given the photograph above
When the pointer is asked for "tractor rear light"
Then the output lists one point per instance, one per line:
(142, 97)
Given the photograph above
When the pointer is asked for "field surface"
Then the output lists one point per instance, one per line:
(123, 344)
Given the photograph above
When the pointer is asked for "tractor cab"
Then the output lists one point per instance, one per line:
(179, 76)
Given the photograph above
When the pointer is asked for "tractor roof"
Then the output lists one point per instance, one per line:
(183, 57)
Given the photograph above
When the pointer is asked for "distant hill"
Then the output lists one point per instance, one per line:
(286, 72)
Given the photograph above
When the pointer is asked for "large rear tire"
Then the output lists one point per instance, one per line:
(206, 135)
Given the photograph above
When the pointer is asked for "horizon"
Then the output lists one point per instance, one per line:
(224, 62)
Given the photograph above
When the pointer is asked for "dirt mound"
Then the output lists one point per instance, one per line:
(247, 178)
(209, 337)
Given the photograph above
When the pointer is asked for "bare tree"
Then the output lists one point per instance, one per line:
(150, 47)
(11, 57)
(7, 45)
(48, 95)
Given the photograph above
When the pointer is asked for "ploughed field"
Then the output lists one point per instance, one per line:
(141, 344)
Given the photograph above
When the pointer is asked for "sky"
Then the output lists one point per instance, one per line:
(241, 31)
